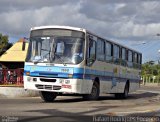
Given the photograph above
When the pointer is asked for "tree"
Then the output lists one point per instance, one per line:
(151, 71)
(151, 62)
(4, 43)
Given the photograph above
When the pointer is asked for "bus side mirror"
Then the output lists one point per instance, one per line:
(60, 48)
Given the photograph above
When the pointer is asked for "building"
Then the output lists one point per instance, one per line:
(12, 64)
(15, 56)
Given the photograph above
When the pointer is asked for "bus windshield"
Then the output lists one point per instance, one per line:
(58, 49)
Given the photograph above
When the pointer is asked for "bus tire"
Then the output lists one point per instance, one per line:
(48, 96)
(94, 93)
(123, 95)
(126, 91)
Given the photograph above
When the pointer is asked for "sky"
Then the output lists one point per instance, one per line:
(133, 23)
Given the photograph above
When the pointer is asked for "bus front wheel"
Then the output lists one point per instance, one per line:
(94, 95)
(48, 96)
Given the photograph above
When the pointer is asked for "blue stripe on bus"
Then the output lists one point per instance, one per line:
(49, 69)
(78, 73)
(78, 70)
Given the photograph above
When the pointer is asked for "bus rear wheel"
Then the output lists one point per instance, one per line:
(94, 93)
(123, 95)
(126, 91)
(48, 96)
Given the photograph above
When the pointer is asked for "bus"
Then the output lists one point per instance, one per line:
(74, 61)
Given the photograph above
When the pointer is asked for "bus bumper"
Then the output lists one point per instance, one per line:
(60, 85)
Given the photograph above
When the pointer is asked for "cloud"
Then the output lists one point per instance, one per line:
(19, 22)
(124, 20)
(8, 5)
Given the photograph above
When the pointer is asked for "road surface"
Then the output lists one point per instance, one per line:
(145, 102)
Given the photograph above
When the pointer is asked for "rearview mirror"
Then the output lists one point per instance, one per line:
(60, 48)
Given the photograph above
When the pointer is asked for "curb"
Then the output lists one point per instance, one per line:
(12, 92)
(151, 84)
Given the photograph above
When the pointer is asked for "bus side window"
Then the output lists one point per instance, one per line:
(135, 60)
(123, 56)
(100, 49)
(139, 60)
(116, 52)
(91, 52)
(130, 59)
(109, 52)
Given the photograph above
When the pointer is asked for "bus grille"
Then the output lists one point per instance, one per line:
(48, 87)
(47, 80)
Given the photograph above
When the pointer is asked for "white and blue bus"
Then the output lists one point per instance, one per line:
(71, 60)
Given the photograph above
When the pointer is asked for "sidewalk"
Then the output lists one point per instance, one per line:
(12, 92)
(154, 88)
(151, 84)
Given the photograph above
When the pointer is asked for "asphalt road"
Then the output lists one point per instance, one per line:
(143, 103)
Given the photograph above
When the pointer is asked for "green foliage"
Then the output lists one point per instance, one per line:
(4, 43)
(150, 69)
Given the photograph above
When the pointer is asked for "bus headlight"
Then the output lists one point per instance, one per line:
(35, 79)
(61, 80)
(28, 78)
(67, 81)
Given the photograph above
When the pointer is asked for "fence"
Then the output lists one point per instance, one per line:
(12, 77)
(151, 79)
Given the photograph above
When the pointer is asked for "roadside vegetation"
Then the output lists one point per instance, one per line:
(4, 43)
(151, 72)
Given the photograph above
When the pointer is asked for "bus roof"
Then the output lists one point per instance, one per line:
(79, 29)
(58, 27)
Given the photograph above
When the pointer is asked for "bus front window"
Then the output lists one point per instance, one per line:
(71, 50)
(60, 50)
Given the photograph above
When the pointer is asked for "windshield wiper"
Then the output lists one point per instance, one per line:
(55, 54)
(36, 61)
(60, 59)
